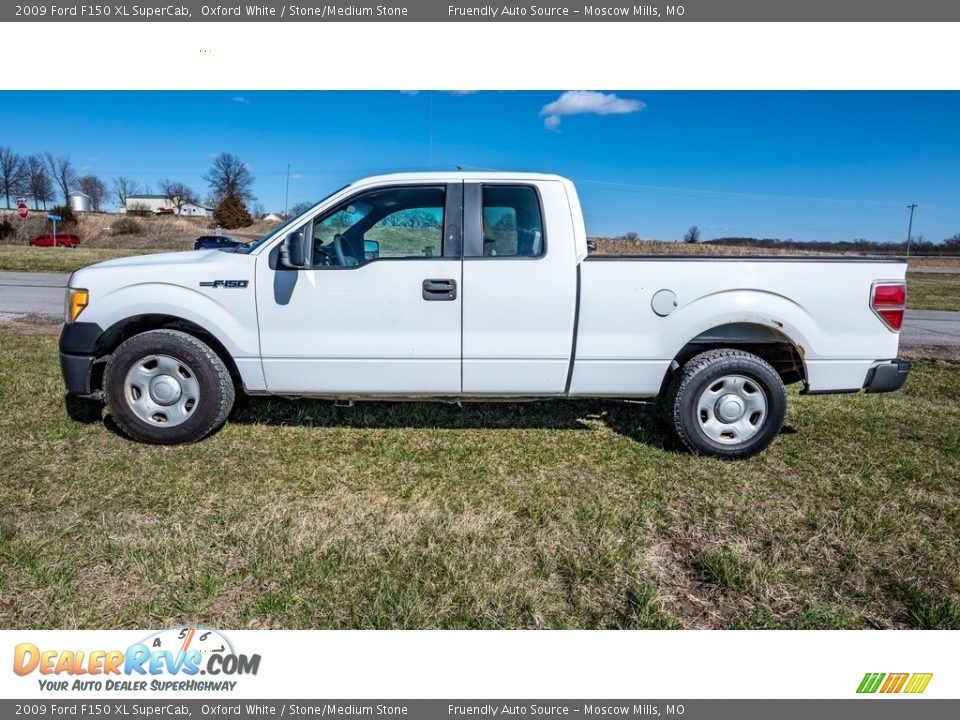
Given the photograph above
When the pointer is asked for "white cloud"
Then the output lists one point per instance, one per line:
(411, 93)
(580, 102)
(296, 176)
(241, 99)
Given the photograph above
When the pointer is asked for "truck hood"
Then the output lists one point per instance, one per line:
(177, 268)
(170, 258)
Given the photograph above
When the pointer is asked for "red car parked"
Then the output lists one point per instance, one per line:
(70, 241)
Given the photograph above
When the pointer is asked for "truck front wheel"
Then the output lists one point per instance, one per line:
(726, 403)
(167, 387)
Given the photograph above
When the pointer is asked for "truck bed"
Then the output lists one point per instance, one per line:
(821, 305)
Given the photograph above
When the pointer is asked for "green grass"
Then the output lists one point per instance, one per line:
(933, 291)
(562, 515)
(58, 260)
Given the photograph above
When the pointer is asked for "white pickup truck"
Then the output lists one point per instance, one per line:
(462, 286)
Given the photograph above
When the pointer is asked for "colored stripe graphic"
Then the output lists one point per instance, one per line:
(918, 682)
(870, 682)
(894, 682)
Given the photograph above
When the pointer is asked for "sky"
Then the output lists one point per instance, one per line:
(785, 164)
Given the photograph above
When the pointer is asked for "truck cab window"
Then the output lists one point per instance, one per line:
(404, 222)
(512, 222)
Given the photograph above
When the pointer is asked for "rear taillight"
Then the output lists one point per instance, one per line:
(888, 300)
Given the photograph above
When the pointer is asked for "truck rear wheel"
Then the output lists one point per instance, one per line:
(167, 387)
(726, 403)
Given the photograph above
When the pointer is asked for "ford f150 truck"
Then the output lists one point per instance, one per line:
(462, 286)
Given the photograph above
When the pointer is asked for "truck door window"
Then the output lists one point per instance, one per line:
(512, 222)
(402, 222)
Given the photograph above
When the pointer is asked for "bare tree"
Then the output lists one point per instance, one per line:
(230, 176)
(692, 235)
(94, 188)
(177, 193)
(38, 184)
(139, 210)
(299, 209)
(123, 188)
(61, 171)
(631, 236)
(11, 173)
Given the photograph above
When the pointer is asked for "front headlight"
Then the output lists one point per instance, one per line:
(77, 300)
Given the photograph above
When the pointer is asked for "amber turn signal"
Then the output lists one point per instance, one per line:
(78, 301)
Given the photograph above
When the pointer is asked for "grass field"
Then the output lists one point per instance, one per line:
(60, 260)
(565, 515)
(933, 291)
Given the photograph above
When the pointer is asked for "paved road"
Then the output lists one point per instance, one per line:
(32, 293)
(931, 327)
(42, 294)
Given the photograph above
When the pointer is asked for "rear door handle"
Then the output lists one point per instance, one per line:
(439, 290)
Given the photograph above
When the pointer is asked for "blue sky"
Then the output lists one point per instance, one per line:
(801, 165)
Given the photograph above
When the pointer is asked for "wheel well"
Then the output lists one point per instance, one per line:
(115, 335)
(770, 344)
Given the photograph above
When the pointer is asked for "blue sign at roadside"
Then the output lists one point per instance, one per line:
(55, 218)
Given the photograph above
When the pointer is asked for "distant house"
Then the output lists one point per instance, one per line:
(194, 210)
(80, 202)
(163, 205)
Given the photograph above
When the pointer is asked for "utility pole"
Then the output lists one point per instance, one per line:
(911, 207)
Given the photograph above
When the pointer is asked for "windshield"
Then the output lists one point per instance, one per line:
(245, 249)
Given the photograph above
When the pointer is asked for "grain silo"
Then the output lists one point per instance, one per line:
(80, 202)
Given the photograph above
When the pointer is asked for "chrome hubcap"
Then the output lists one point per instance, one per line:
(732, 409)
(162, 390)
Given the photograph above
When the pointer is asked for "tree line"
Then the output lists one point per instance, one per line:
(918, 245)
(42, 177)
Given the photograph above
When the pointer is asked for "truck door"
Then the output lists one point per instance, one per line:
(378, 310)
(519, 288)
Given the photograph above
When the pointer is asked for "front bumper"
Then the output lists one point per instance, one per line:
(77, 356)
(76, 372)
(887, 376)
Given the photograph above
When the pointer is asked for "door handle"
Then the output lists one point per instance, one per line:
(439, 290)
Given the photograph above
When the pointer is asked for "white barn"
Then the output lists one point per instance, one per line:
(194, 210)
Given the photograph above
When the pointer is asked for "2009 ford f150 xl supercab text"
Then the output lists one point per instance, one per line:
(463, 286)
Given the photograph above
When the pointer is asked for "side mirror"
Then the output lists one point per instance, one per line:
(371, 249)
(292, 253)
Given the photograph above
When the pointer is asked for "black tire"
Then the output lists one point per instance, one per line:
(707, 371)
(200, 364)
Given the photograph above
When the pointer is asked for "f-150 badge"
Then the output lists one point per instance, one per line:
(224, 283)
